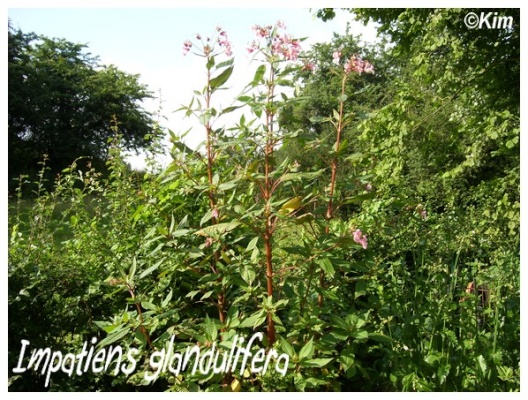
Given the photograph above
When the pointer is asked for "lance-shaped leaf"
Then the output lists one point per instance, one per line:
(117, 334)
(219, 80)
(291, 205)
(218, 229)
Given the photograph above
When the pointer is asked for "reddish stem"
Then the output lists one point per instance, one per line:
(212, 203)
(330, 207)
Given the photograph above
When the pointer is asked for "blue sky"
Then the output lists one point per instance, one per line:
(148, 41)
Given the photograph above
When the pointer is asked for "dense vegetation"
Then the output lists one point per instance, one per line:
(363, 214)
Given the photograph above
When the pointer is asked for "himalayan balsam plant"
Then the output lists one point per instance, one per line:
(206, 113)
(354, 64)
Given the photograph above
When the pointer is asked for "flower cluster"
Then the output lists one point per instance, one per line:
(281, 43)
(353, 64)
(222, 41)
(360, 238)
(262, 31)
(287, 47)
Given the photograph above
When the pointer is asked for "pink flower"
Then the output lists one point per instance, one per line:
(360, 238)
(186, 47)
(284, 45)
(309, 66)
(423, 214)
(261, 31)
(224, 42)
(253, 46)
(336, 57)
(357, 64)
(368, 68)
(280, 24)
(214, 213)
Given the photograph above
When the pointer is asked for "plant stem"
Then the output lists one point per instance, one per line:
(330, 208)
(212, 201)
(140, 314)
(268, 187)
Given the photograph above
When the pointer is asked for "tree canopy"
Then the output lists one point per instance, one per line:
(62, 102)
(449, 134)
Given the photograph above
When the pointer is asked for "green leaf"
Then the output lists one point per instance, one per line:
(207, 216)
(343, 145)
(317, 362)
(227, 185)
(252, 244)
(132, 272)
(299, 176)
(287, 347)
(347, 358)
(227, 110)
(353, 158)
(179, 232)
(378, 337)
(210, 62)
(245, 99)
(482, 364)
(360, 288)
(259, 74)
(207, 295)
(361, 336)
(222, 78)
(171, 227)
(210, 329)
(302, 219)
(291, 205)
(192, 293)
(167, 299)
(255, 255)
(248, 274)
(149, 270)
(182, 147)
(326, 266)
(307, 351)
(218, 229)
(117, 334)
(225, 63)
(254, 320)
(147, 305)
(183, 223)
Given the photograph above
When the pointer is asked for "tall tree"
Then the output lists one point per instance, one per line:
(62, 103)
